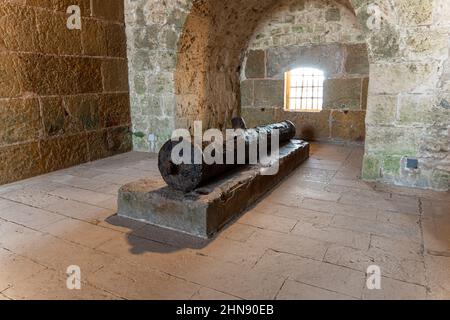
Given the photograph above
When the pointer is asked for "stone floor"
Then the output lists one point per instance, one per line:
(312, 238)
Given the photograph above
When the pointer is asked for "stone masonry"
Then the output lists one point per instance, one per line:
(324, 35)
(63, 93)
(186, 57)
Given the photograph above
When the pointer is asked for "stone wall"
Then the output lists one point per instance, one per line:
(186, 57)
(63, 93)
(320, 34)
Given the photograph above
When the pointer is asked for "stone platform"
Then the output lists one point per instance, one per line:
(205, 211)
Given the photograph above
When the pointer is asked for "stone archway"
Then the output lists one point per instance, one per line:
(210, 53)
(185, 57)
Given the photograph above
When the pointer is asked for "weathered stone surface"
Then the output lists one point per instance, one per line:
(268, 93)
(114, 75)
(110, 10)
(247, 93)
(19, 162)
(54, 76)
(382, 110)
(205, 212)
(357, 61)
(344, 94)
(256, 64)
(395, 78)
(63, 152)
(327, 57)
(311, 126)
(348, 125)
(20, 121)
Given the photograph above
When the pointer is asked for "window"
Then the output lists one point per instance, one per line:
(304, 89)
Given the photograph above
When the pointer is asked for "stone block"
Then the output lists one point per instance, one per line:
(115, 75)
(348, 125)
(256, 64)
(415, 12)
(371, 168)
(269, 93)
(116, 40)
(19, 162)
(382, 110)
(109, 10)
(247, 93)
(93, 35)
(115, 110)
(390, 78)
(342, 94)
(205, 212)
(332, 14)
(108, 142)
(421, 45)
(12, 74)
(416, 110)
(258, 116)
(16, 27)
(20, 121)
(357, 61)
(53, 36)
(57, 120)
(311, 126)
(365, 93)
(393, 140)
(84, 111)
(63, 152)
(327, 57)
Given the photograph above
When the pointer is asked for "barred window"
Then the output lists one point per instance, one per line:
(304, 89)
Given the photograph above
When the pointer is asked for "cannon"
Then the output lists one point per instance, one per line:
(187, 177)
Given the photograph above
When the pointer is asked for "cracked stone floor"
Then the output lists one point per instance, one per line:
(312, 238)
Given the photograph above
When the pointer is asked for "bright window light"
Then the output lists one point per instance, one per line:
(304, 90)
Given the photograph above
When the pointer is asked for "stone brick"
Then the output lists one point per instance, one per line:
(327, 57)
(49, 75)
(393, 140)
(56, 118)
(382, 110)
(269, 93)
(415, 109)
(333, 14)
(396, 78)
(427, 44)
(256, 64)
(110, 10)
(19, 162)
(247, 93)
(116, 41)
(20, 121)
(94, 38)
(63, 152)
(365, 93)
(114, 73)
(357, 61)
(84, 111)
(348, 125)
(311, 126)
(371, 168)
(17, 23)
(115, 110)
(258, 116)
(415, 12)
(53, 36)
(108, 142)
(342, 94)
(12, 74)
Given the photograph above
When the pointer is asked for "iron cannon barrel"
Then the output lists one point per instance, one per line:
(187, 177)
